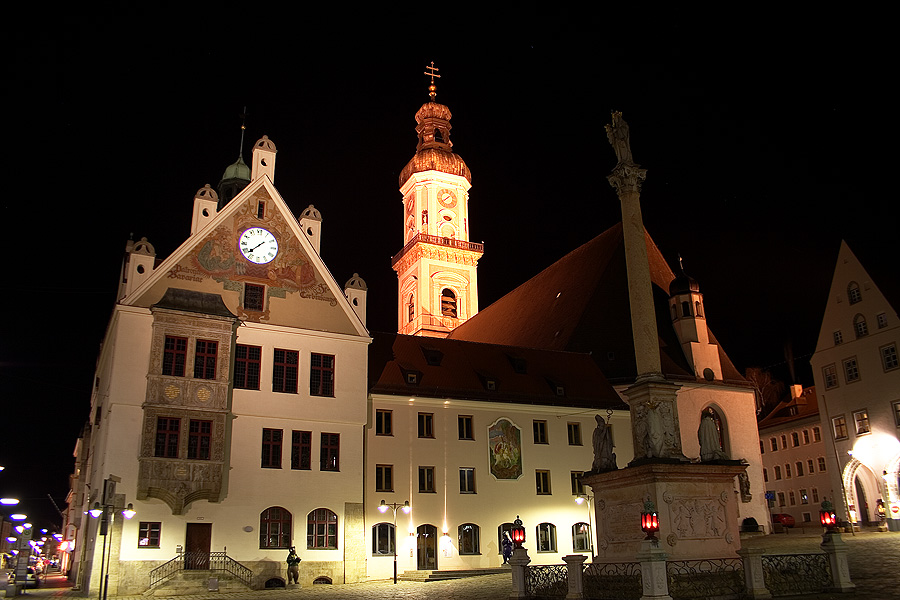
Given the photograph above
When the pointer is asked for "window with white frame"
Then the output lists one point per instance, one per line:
(840, 427)
(882, 320)
(838, 337)
(889, 360)
(581, 537)
(467, 480)
(821, 464)
(860, 327)
(851, 370)
(861, 419)
(829, 374)
(383, 539)
(546, 537)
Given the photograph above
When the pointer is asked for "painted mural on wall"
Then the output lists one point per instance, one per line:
(505, 449)
(291, 271)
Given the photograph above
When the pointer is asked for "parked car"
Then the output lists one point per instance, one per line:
(32, 580)
(786, 520)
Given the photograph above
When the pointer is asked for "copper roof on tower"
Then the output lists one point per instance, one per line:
(580, 304)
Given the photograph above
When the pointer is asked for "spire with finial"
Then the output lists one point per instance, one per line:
(243, 129)
(237, 174)
(432, 72)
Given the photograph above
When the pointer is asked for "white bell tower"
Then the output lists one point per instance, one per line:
(436, 269)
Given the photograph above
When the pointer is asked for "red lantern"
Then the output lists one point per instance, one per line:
(518, 532)
(828, 518)
(650, 524)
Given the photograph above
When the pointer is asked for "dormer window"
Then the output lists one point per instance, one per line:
(433, 356)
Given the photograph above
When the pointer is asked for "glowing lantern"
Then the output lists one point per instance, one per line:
(649, 520)
(517, 532)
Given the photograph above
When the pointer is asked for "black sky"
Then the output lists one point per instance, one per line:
(765, 143)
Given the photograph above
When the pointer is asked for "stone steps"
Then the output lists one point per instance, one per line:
(196, 582)
(448, 574)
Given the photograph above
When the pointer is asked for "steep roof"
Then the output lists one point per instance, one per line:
(405, 365)
(580, 304)
(792, 409)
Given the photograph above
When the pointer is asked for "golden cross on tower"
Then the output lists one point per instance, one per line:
(432, 72)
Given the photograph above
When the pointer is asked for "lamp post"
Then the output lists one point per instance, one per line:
(589, 500)
(383, 507)
(106, 513)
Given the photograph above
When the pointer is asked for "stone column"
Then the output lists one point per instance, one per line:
(754, 576)
(575, 571)
(518, 561)
(836, 550)
(654, 579)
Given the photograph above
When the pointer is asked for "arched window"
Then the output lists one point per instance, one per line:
(853, 292)
(383, 539)
(860, 327)
(275, 528)
(448, 303)
(438, 136)
(321, 530)
(411, 309)
(546, 537)
(686, 308)
(674, 312)
(697, 311)
(504, 529)
(581, 537)
(469, 539)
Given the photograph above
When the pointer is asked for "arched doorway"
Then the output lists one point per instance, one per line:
(426, 548)
(862, 510)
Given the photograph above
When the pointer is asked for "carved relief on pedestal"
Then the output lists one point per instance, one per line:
(697, 518)
(618, 522)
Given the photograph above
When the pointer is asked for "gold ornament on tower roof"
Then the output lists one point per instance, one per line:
(432, 72)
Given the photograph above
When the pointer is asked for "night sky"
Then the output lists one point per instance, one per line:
(763, 140)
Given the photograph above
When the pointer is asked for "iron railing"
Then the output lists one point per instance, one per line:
(547, 581)
(795, 574)
(711, 578)
(438, 241)
(613, 581)
(201, 561)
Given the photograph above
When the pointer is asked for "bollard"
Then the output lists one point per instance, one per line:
(654, 580)
(518, 562)
(575, 575)
(754, 576)
(836, 550)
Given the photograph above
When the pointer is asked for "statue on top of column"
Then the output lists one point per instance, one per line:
(618, 135)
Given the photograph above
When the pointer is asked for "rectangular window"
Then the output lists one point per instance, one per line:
(174, 356)
(271, 449)
(793, 498)
(247, 361)
(149, 533)
(254, 297)
(574, 434)
(426, 480)
(799, 466)
(466, 429)
(807, 517)
(205, 359)
(546, 537)
(762, 447)
(795, 439)
(167, 431)
(897, 413)
(882, 320)
(804, 497)
(542, 482)
(784, 442)
(540, 432)
(384, 478)
(781, 501)
(851, 370)
(199, 439)
(787, 471)
(821, 464)
(765, 475)
(817, 434)
(321, 375)
(301, 450)
(815, 495)
(861, 418)
(577, 486)
(840, 427)
(829, 374)
(860, 327)
(777, 473)
(330, 452)
(467, 480)
(810, 466)
(774, 444)
(838, 338)
(285, 371)
(426, 425)
(806, 436)
(383, 422)
(889, 360)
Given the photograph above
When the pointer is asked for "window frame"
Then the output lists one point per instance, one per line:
(838, 425)
(777, 472)
(381, 531)
(573, 431)
(174, 361)
(584, 537)
(426, 425)
(271, 448)
(384, 422)
(795, 439)
(384, 478)
(249, 301)
(861, 423)
(539, 428)
(471, 546)
(851, 368)
(467, 480)
(890, 360)
(247, 368)
(321, 529)
(798, 467)
(465, 424)
(149, 530)
(821, 464)
(773, 442)
(285, 374)
(301, 450)
(426, 480)
(550, 529)
(284, 519)
(830, 376)
(206, 358)
(199, 440)
(542, 482)
(167, 449)
(330, 452)
(322, 375)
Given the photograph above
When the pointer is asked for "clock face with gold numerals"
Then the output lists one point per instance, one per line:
(258, 245)
(447, 198)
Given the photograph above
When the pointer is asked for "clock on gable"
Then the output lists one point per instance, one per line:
(258, 245)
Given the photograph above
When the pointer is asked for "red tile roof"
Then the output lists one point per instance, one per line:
(793, 409)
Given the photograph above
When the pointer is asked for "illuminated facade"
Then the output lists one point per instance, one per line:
(857, 374)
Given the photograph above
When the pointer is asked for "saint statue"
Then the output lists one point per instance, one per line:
(708, 434)
(618, 135)
(604, 458)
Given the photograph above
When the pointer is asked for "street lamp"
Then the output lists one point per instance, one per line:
(107, 512)
(589, 500)
(650, 520)
(383, 507)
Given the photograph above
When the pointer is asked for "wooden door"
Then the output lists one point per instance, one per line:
(196, 546)
(426, 537)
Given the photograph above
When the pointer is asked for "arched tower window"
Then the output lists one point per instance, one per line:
(860, 327)
(697, 311)
(674, 312)
(686, 308)
(448, 303)
(275, 528)
(853, 292)
(411, 309)
(438, 136)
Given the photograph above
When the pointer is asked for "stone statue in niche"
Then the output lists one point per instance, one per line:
(708, 434)
(604, 458)
(744, 483)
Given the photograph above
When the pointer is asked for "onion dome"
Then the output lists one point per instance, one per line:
(434, 151)
(356, 283)
(237, 170)
(683, 283)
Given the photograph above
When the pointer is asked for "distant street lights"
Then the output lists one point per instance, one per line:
(383, 507)
(589, 501)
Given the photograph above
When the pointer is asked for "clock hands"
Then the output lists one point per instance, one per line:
(257, 246)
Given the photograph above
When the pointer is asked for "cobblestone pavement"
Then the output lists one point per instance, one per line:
(874, 567)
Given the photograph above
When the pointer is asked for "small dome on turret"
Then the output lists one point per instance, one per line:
(237, 170)
(312, 213)
(683, 283)
(433, 110)
(356, 283)
(433, 159)
(207, 193)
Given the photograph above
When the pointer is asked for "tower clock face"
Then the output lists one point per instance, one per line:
(258, 245)
(447, 198)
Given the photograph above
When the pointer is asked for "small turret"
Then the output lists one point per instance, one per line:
(206, 203)
(687, 311)
(311, 222)
(355, 290)
(137, 265)
(263, 159)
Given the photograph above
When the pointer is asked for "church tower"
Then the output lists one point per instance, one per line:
(436, 269)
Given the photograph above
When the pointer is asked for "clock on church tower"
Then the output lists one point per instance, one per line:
(437, 267)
